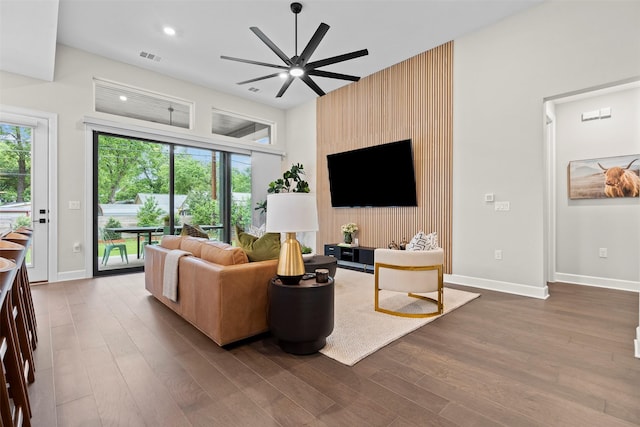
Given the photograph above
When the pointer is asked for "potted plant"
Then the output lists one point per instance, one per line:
(307, 252)
(348, 230)
(292, 181)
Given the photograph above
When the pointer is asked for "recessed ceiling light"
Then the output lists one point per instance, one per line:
(169, 31)
(123, 98)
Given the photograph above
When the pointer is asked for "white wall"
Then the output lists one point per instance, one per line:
(501, 76)
(301, 148)
(70, 95)
(585, 225)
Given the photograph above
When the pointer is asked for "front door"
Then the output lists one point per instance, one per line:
(24, 180)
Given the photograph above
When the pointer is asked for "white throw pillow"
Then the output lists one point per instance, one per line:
(423, 242)
(256, 231)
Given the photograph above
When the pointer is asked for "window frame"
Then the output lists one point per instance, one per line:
(270, 124)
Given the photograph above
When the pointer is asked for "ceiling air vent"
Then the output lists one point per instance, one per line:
(127, 101)
(151, 56)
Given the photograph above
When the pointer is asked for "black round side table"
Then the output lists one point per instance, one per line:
(301, 316)
(321, 261)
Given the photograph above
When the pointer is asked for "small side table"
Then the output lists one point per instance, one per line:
(301, 316)
(321, 261)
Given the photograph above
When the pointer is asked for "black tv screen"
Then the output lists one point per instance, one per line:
(377, 176)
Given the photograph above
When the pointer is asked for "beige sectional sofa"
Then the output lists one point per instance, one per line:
(219, 291)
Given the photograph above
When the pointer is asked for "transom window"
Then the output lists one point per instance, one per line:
(243, 128)
(127, 101)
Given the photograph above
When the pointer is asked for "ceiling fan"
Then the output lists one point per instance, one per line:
(299, 65)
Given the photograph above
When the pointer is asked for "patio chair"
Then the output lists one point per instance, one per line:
(145, 243)
(109, 245)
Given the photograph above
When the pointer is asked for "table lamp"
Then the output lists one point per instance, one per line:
(290, 213)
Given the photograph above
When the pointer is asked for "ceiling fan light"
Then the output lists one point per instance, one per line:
(296, 71)
(283, 75)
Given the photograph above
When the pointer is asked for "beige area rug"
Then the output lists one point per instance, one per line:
(359, 330)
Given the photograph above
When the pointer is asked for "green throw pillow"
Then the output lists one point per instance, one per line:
(259, 248)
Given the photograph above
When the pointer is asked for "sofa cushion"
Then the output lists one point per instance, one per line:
(259, 248)
(170, 242)
(223, 253)
(192, 244)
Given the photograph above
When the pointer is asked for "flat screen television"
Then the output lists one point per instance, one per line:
(378, 176)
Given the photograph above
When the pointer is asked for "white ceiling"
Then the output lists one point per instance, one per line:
(391, 30)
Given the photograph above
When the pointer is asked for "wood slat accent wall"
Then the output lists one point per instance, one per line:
(412, 99)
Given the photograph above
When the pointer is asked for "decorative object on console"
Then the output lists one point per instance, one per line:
(393, 245)
(403, 244)
(348, 230)
(289, 213)
(423, 242)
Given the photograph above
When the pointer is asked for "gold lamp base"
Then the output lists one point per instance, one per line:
(290, 263)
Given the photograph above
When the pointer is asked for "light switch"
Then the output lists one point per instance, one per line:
(74, 204)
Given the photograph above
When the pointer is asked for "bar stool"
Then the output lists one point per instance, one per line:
(15, 409)
(16, 253)
(25, 230)
(25, 288)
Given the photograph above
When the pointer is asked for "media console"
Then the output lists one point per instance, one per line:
(353, 257)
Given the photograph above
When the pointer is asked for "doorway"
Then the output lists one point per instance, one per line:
(591, 240)
(26, 139)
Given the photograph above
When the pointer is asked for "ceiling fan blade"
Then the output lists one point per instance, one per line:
(259, 78)
(271, 45)
(339, 58)
(331, 75)
(305, 78)
(285, 86)
(249, 61)
(313, 44)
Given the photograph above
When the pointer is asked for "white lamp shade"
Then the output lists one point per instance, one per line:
(291, 212)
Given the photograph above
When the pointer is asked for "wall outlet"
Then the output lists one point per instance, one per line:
(502, 206)
(497, 254)
(602, 252)
(488, 197)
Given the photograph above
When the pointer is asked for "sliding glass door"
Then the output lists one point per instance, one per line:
(145, 189)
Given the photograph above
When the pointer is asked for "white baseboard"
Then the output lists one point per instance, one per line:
(637, 342)
(71, 275)
(541, 292)
(601, 282)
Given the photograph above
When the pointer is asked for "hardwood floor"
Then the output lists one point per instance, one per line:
(110, 355)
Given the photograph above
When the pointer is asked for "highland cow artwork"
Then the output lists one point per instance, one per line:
(605, 177)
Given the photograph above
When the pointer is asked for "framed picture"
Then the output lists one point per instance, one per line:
(604, 177)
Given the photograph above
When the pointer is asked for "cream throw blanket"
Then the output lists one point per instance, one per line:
(170, 274)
